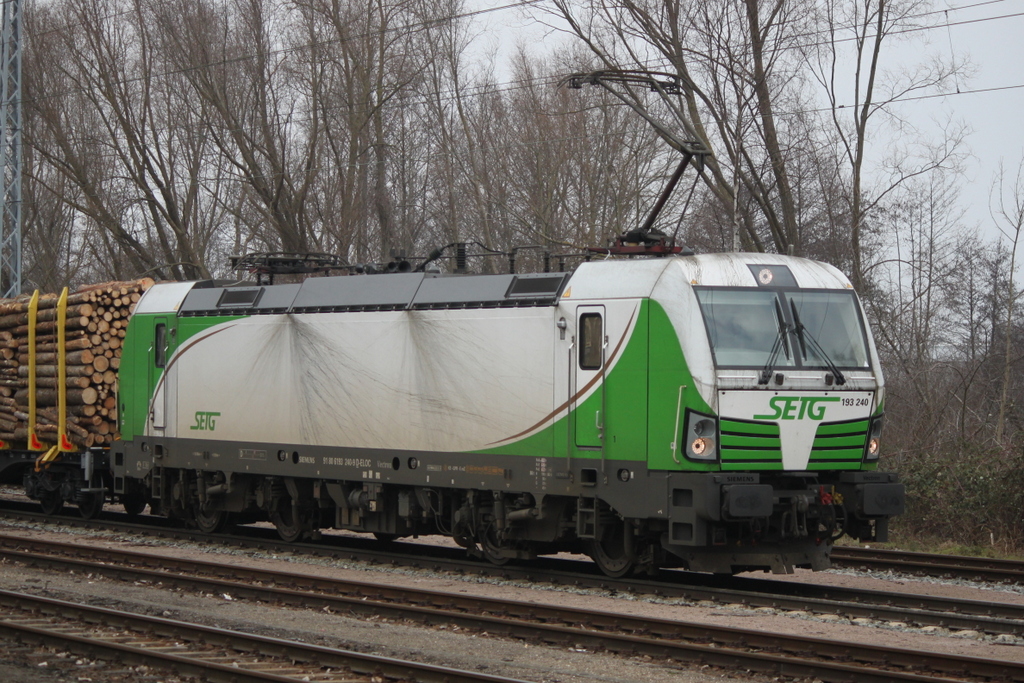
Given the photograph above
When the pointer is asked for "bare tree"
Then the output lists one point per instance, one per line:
(912, 315)
(371, 54)
(728, 59)
(107, 61)
(856, 33)
(574, 188)
(1008, 214)
(240, 86)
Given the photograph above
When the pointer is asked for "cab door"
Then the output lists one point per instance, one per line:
(588, 367)
(158, 353)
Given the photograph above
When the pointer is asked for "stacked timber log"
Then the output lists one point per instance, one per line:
(96, 320)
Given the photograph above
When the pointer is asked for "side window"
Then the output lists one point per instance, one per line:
(160, 345)
(591, 341)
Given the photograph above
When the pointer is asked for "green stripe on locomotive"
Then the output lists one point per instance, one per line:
(641, 403)
(139, 375)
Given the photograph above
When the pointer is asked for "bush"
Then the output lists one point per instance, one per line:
(964, 494)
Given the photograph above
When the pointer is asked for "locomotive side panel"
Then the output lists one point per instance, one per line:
(443, 381)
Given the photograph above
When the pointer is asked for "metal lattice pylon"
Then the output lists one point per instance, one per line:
(10, 150)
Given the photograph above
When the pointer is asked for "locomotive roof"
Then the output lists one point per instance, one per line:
(615, 279)
(608, 279)
(383, 292)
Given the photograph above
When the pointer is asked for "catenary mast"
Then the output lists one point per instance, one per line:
(10, 150)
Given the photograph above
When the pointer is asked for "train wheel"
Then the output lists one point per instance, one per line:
(385, 538)
(492, 548)
(90, 506)
(610, 553)
(212, 521)
(289, 525)
(51, 502)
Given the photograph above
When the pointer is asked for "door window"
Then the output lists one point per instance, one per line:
(160, 345)
(591, 341)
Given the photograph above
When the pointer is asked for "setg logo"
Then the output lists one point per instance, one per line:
(205, 421)
(798, 407)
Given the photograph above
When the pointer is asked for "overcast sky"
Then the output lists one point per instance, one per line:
(993, 102)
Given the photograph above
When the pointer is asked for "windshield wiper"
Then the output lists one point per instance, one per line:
(804, 335)
(780, 344)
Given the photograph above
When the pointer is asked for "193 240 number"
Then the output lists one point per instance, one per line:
(856, 402)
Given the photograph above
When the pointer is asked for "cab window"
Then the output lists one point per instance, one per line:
(591, 341)
(160, 345)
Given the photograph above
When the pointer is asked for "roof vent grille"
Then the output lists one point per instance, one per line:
(239, 298)
(536, 287)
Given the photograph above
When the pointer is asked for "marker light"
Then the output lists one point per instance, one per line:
(873, 447)
(700, 437)
(704, 427)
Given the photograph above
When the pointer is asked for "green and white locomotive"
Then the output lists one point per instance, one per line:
(717, 412)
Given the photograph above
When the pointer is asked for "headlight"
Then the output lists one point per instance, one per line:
(873, 447)
(699, 437)
(699, 446)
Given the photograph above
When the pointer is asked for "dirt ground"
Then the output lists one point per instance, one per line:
(450, 646)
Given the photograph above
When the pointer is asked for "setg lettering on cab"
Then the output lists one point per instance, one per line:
(798, 407)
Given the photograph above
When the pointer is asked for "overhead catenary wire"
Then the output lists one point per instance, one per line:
(505, 86)
(517, 5)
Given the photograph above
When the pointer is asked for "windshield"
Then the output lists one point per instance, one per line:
(832, 319)
(743, 325)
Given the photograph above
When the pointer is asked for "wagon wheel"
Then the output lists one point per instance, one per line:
(51, 502)
(609, 550)
(134, 504)
(90, 505)
(211, 521)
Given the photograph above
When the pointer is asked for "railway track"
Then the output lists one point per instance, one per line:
(693, 643)
(986, 617)
(915, 609)
(851, 557)
(927, 564)
(212, 654)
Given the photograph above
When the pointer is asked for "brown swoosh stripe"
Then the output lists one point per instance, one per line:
(188, 345)
(579, 393)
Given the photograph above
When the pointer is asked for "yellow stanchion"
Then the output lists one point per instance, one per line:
(63, 443)
(34, 444)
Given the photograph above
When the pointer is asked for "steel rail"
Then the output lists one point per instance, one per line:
(45, 620)
(679, 640)
(927, 564)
